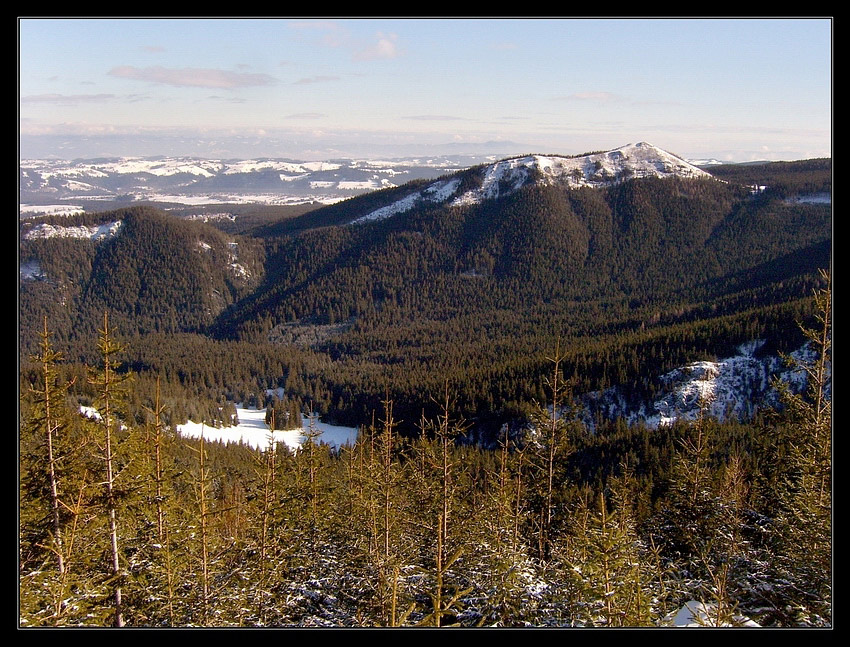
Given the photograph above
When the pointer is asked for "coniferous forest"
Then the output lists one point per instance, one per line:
(457, 340)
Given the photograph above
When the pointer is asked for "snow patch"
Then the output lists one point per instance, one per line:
(253, 431)
(31, 270)
(437, 192)
(90, 412)
(239, 270)
(348, 185)
(811, 198)
(73, 185)
(699, 614)
(300, 168)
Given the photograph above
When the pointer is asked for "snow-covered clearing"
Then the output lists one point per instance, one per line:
(811, 198)
(438, 192)
(234, 198)
(253, 431)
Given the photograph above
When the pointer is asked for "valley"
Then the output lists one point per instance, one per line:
(522, 369)
(385, 285)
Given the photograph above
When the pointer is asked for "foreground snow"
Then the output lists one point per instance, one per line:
(700, 614)
(253, 431)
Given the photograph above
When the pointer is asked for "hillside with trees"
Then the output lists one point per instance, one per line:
(457, 338)
(634, 280)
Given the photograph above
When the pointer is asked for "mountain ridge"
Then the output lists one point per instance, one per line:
(506, 176)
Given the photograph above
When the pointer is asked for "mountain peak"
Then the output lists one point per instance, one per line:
(508, 175)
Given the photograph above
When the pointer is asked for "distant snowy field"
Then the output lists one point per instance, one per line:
(32, 210)
(46, 184)
(253, 431)
(811, 198)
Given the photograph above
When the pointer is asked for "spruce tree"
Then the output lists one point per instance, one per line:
(111, 394)
(805, 520)
(55, 493)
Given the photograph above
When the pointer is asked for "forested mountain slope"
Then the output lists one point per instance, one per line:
(152, 272)
(637, 275)
(455, 336)
(463, 290)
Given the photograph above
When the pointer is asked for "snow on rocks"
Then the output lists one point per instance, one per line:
(735, 386)
(717, 388)
(598, 169)
(31, 270)
(94, 232)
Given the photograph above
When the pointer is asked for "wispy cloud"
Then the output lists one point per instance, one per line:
(382, 46)
(77, 129)
(192, 77)
(216, 97)
(306, 115)
(67, 99)
(435, 118)
(736, 129)
(315, 79)
(385, 47)
(332, 34)
(605, 97)
(152, 49)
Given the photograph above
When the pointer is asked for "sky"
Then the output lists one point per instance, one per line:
(301, 88)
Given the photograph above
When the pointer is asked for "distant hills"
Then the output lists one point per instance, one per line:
(181, 180)
(56, 186)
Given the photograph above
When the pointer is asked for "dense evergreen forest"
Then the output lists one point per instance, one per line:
(455, 338)
(123, 523)
(634, 280)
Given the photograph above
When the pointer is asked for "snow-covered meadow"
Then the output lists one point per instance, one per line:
(253, 431)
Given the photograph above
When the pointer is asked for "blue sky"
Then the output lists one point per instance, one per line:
(735, 90)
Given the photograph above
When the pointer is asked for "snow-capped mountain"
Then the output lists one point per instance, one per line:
(50, 186)
(506, 176)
